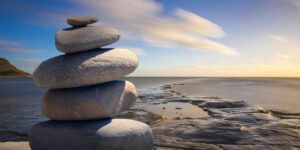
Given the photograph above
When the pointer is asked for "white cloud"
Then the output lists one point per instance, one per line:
(142, 19)
(137, 51)
(197, 24)
(16, 47)
(277, 38)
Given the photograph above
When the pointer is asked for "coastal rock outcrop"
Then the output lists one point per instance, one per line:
(9, 70)
(84, 93)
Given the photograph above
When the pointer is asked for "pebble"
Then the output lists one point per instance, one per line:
(79, 21)
(91, 102)
(84, 69)
(110, 134)
(72, 40)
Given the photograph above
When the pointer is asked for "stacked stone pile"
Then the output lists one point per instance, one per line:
(84, 93)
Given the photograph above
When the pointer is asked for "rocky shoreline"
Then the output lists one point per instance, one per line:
(228, 124)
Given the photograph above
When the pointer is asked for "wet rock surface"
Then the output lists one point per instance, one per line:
(230, 124)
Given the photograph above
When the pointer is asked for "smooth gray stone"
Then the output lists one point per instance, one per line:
(91, 102)
(109, 134)
(83, 69)
(81, 39)
(79, 21)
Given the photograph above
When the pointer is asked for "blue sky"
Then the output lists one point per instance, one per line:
(172, 38)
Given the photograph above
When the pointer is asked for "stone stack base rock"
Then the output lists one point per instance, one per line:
(84, 93)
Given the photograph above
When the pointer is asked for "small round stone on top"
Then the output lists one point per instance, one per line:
(79, 21)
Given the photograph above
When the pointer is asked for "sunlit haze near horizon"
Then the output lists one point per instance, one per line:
(228, 38)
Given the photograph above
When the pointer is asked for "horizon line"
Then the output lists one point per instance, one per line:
(211, 77)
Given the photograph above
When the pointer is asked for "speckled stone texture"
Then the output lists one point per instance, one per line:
(109, 134)
(91, 102)
(84, 69)
(79, 39)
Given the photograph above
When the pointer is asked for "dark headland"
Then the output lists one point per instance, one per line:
(9, 70)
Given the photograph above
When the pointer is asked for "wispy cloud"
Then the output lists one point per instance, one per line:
(277, 38)
(283, 56)
(9, 43)
(143, 20)
(296, 3)
(32, 62)
(28, 64)
(136, 50)
(140, 20)
(16, 47)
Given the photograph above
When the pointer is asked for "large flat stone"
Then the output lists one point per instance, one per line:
(83, 69)
(109, 134)
(80, 39)
(91, 102)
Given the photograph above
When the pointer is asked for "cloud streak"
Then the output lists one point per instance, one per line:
(142, 20)
(136, 50)
(31, 62)
(16, 47)
(277, 38)
(295, 3)
(139, 20)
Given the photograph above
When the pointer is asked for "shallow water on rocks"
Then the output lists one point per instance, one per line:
(177, 110)
(270, 93)
(231, 125)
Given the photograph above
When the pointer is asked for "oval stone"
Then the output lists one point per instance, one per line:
(79, 21)
(91, 102)
(74, 39)
(84, 69)
(108, 134)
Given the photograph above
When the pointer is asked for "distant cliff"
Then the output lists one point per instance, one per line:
(9, 70)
